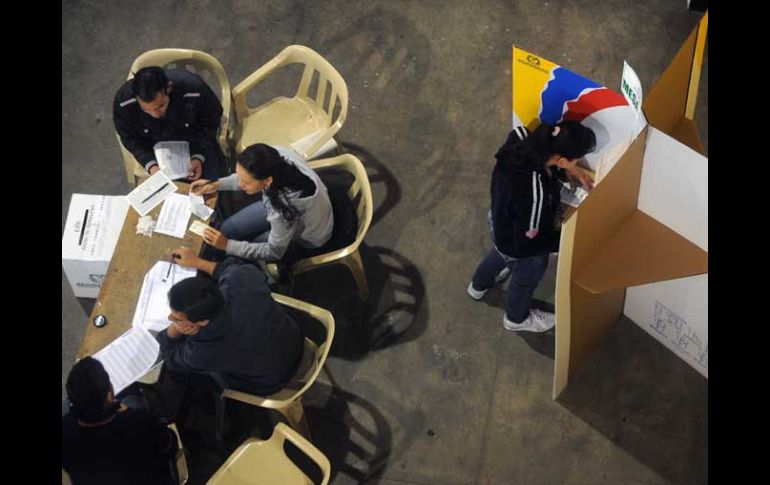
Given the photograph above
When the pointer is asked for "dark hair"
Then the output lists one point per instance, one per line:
(87, 387)
(148, 82)
(572, 140)
(263, 161)
(199, 298)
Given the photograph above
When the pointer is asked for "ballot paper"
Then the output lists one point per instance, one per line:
(152, 308)
(173, 158)
(199, 207)
(572, 197)
(151, 192)
(174, 216)
(128, 357)
(198, 227)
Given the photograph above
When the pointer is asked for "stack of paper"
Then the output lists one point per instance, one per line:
(128, 357)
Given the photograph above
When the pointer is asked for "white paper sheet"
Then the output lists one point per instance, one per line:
(174, 216)
(199, 207)
(151, 192)
(128, 357)
(152, 308)
(173, 158)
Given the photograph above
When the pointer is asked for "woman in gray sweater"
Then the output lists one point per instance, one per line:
(295, 205)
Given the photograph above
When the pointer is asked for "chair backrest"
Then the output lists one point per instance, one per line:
(360, 189)
(203, 64)
(328, 79)
(256, 461)
(308, 373)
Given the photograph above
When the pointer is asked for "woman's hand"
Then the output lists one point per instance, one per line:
(578, 175)
(202, 187)
(215, 238)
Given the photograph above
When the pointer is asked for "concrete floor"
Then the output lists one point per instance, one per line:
(428, 386)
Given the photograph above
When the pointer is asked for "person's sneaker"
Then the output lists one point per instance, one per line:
(537, 321)
(479, 294)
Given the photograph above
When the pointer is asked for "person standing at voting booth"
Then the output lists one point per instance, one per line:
(294, 208)
(525, 214)
(174, 105)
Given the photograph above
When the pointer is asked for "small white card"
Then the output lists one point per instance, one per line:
(198, 227)
(151, 192)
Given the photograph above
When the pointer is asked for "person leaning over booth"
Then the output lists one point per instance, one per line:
(173, 105)
(104, 441)
(525, 215)
(295, 206)
(228, 329)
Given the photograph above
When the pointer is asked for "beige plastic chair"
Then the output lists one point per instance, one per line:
(182, 58)
(266, 462)
(288, 400)
(350, 255)
(304, 122)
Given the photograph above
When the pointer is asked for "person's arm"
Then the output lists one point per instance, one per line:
(281, 234)
(207, 124)
(531, 234)
(189, 259)
(130, 137)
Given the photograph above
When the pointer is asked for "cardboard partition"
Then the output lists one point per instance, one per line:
(642, 251)
(638, 243)
(674, 94)
(676, 314)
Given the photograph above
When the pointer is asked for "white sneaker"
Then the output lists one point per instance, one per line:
(537, 321)
(479, 294)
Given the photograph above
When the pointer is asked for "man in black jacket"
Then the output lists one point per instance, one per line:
(173, 105)
(104, 441)
(229, 328)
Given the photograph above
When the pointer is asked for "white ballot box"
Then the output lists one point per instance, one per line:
(90, 235)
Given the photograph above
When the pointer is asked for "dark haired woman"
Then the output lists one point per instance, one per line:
(295, 205)
(524, 218)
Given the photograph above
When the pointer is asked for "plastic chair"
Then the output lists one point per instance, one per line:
(288, 401)
(266, 462)
(201, 62)
(305, 122)
(181, 461)
(349, 255)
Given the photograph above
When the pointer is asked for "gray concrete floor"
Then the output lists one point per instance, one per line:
(428, 386)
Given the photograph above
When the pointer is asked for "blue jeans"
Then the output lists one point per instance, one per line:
(248, 224)
(526, 274)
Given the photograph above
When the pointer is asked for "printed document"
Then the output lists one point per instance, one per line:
(152, 308)
(128, 357)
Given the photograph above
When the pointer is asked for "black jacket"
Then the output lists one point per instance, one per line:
(132, 448)
(525, 204)
(252, 343)
(193, 115)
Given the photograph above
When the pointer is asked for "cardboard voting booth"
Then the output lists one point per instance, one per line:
(90, 234)
(638, 244)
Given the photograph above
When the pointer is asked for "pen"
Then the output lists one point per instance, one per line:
(171, 265)
(155, 193)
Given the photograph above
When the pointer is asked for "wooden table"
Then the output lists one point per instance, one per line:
(134, 255)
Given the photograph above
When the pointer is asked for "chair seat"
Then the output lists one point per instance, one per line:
(281, 121)
(260, 462)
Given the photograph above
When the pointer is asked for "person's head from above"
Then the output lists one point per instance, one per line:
(151, 88)
(561, 145)
(90, 392)
(261, 168)
(194, 301)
